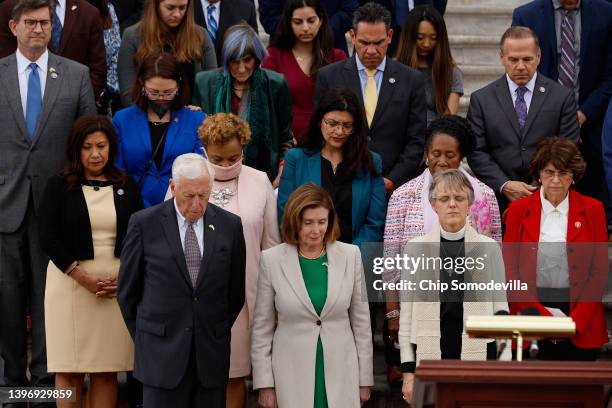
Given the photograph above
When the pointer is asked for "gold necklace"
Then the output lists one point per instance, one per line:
(317, 257)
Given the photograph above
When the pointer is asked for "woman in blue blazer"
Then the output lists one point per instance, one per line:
(335, 156)
(157, 128)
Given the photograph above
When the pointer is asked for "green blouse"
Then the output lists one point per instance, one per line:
(314, 272)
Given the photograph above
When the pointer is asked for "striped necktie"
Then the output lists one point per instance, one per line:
(56, 33)
(211, 22)
(193, 256)
(567, 62)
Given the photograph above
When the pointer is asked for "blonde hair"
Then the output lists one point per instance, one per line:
(222, 128)
(185, 42)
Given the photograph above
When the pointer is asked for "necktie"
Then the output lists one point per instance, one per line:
(56, 33)
(521, 106)
(567, 62)
(370, 96)
(211, 22)
(193, 257)
(34, 101)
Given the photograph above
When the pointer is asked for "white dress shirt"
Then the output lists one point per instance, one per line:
(205, 4)
(197, 228)
(23, 74)
(530, 87)
(552, 257)
(60, 10)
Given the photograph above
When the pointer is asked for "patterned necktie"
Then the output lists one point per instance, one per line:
(56, 33)
(520, 106)
(193, 257)
(370, 97)
(567, 62)
(34, 101)
(211, 22)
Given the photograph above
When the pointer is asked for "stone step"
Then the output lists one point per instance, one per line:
(478, 20)
(477, 76)
(475, 49)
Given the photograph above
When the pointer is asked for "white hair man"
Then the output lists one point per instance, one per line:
(181, 286)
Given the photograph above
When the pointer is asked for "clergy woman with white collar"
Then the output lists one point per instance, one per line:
(311, 341)
(431, 321)
(567, 278)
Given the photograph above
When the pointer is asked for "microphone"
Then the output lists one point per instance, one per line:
(502, 343)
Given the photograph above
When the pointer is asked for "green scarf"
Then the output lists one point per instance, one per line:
(257, 153)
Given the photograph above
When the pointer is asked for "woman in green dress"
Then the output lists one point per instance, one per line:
(311, 344)
(259, 96)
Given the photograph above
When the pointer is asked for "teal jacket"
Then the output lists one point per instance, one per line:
(368, 198)
(277, 127)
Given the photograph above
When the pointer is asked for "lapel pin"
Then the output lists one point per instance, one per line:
(212, 227)
(53, 72)
(542, 89)
(120, 192)
(175, 120)
(577, 224)
(391, 80)
(74, 7)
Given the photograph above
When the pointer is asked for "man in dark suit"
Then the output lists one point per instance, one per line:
(128, 12)
(80, 37)
(513, 114)
(41, 94)
(396, 113)
(181, 286)
(587, 58)
(216, 16)
(340, 13)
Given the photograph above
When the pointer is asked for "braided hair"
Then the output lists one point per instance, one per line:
(456, 127)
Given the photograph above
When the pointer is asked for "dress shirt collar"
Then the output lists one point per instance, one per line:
(530, 85)
(452, 236)
(380, 67)
(557, 5)
(548, 208)
(23, 64)
(182, 221)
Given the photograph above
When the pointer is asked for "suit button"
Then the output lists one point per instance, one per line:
(523, 149)
(318, 322)
(195, 299)
(187, 329)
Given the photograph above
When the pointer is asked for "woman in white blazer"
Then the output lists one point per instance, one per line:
(311, 342)
(432, 321)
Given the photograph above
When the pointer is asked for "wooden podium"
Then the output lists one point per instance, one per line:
(511, 384)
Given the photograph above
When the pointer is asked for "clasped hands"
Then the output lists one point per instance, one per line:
(104, 288)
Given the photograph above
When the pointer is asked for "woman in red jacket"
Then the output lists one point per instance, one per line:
(570, 276)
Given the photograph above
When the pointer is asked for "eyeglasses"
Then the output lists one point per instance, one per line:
(563, 174)
(31, 24)
(154, 94)
(345, 127)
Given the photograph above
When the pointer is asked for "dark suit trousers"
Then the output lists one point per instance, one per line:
(23, 271)
(188, 394)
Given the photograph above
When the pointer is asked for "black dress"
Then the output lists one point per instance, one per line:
(340, 186)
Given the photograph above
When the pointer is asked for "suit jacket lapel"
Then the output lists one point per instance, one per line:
(352, 78)
(533, 218)
(314, 168)
(547, 13)
(210, 242)
(142, 125)
(290, 267)
(502, 92)
(9, 76)
(576, 221)
(387, 87)
(52, 90)
(586, 18)
(171, 135)
(224, 19)
(200, 14)
(70, 19)
(537, 101)
(171, 231)
(336, 272)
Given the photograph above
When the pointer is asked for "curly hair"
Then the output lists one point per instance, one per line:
(562, 153)
(221, 128)
(456, 127)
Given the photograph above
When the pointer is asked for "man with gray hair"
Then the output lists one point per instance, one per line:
(181, 286)
(511, 115)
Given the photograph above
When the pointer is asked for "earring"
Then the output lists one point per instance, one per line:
(427, 162)
(540, 181)
(573, 181)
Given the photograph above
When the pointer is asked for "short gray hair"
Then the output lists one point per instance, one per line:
(191, 166)
(452, 179)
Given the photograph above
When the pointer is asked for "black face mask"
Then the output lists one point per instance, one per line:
(160, 109)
